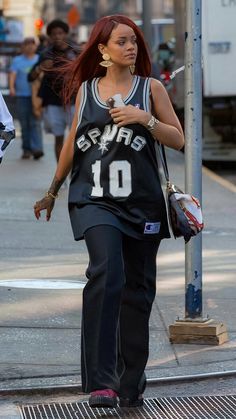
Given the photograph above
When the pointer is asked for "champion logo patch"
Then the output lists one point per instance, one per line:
(152, 228)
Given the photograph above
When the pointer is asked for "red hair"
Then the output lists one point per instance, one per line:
(86, 66)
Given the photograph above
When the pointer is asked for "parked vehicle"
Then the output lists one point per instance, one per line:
(219, 85)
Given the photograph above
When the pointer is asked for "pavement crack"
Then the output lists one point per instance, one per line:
(166, 332)
(39, 327)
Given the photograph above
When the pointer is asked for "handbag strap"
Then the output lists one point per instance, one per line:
(160, 149)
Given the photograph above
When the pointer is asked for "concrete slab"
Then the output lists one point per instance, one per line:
(162, 354)
(9, 411)
(51, 381)
(28, 232)
(42, 284)
(25, 374)
(218, 309)
(40, 308)
(40, 346)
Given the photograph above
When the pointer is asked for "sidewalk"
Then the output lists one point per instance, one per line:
(42, 277)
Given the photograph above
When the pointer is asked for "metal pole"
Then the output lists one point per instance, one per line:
(147, 17)
(193, 153)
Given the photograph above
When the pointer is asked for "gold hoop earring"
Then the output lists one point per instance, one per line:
(132, 68)
(106, 61)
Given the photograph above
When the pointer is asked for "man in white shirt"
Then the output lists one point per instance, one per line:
(7, 130)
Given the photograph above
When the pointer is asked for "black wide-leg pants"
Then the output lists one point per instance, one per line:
(117, 302)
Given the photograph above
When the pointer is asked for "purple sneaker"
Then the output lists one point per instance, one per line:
(103, 398)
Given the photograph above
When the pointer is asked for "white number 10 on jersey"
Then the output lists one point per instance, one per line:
(119, 179)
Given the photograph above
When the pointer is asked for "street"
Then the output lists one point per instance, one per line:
(9, 404)
(42, 277)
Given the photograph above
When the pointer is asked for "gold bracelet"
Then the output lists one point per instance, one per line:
(51, 195)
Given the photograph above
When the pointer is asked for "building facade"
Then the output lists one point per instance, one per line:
(27, 11)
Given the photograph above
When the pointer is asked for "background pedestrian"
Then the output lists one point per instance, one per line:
(31, 131)
(56, 117)
(3, 27)
(43, 43)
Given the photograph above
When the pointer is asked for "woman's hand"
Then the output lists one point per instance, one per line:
(47, 203)
(129, 114)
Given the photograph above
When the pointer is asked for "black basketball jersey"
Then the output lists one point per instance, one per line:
(115, 176)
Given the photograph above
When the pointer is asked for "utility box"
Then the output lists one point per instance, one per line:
(219, 47)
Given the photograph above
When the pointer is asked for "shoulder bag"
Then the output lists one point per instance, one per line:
(184, 210)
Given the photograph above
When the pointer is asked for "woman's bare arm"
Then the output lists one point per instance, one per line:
(168, 131)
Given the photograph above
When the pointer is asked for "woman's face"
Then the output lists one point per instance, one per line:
(122, 45)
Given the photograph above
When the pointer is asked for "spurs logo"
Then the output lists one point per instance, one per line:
(111, 132)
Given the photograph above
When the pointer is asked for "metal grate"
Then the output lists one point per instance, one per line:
(205, 407)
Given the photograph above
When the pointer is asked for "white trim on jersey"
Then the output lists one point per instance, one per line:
(133, 89)
(102, 104)
(146, 94)
(82, 102)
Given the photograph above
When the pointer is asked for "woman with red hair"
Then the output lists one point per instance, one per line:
(115, 202)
